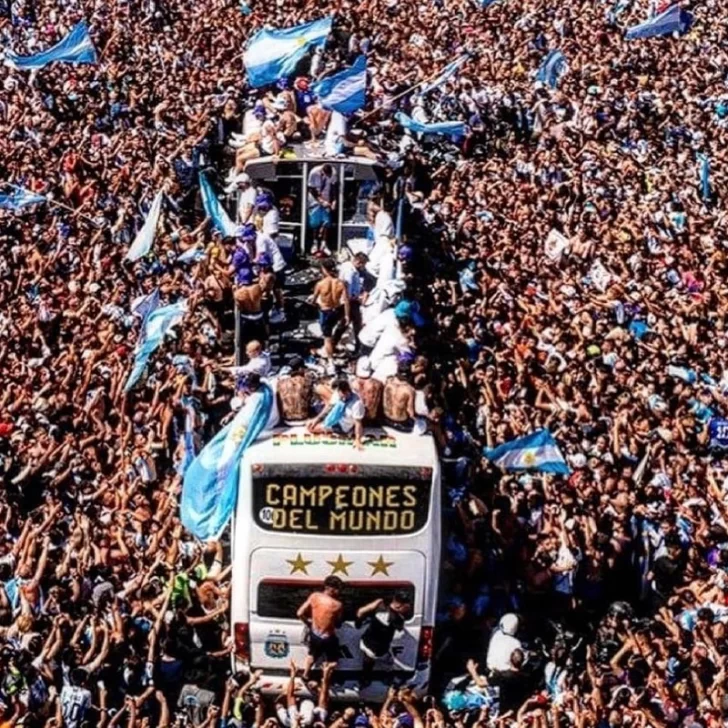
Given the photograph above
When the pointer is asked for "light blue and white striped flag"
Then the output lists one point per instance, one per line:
(156, 327)
(448, 72)
(210, 487)
(145, 237)
(273, 54)
(673, 20)
(552, 68)
(214, 209)
(19, 198)
(345, 91)
(537, 451)
(76, 47)
(450, 128)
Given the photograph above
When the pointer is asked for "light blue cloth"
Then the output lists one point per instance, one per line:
(19, 198)
(673, 20)
(145, 237)
(537, 451)
(155, 328)
(274, 54)
(193, 255)
(449, 128)
(335, 415)
(448, 72)
(144, 307)
(345, 91)
(210, 487)
(552, 68)
(214, 209)
(76, 47)
(704, 175)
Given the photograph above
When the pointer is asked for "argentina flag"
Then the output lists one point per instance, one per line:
(450, 128)
(673, 20)
(448, 72)
(156, 326)
(145, 237)
(704, 176)
(210, 486)
(273, 54)
(76, 47)
(214, 209)
(537, 451)
(552, 68)
(345, 91)
(19, 198)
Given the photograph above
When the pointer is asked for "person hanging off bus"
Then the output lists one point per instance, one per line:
(322, 613)
(342, 416)
(311, 710)
(381, 622)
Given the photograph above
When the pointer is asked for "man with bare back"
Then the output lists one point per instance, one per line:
(398, 401)
(322, 613)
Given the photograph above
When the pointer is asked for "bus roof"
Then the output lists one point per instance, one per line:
(265, 167)
(382, 446)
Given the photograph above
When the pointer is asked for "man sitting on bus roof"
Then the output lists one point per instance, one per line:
(343, 415)
(322, 613)
(295, 391)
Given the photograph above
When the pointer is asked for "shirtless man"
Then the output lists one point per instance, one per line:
(295, 391)
(322, 613)
(368, 388)
(330, 296)
(398, 400)
(249, 297)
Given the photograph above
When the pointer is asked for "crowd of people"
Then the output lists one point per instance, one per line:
(563, 268)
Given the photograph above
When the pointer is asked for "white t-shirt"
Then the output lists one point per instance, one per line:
(353, 412)
(265, 244)
(370, 334)
(271, 221)
(352, 279)
(383, 224)
(500, 649)
(382, 247)
(246, 202)
(391, 342)
(75, 702)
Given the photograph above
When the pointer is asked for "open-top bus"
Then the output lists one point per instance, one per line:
(310, 506)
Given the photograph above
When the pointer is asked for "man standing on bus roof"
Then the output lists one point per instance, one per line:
(330, 295)
(382, 622)
(322, 613)
(321, 203)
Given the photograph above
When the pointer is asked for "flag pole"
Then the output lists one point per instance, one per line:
(57, 204)
(399, 96)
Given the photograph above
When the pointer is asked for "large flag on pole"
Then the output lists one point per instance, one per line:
(76, 47)
(156, 327)
(673, 20)
(345, 91)
(214, 209)
(537, 451)
(273, 54)
(552, 68)
(450, 70)
(451, 128)
(210, 483)
(145, 237)
(19, 198)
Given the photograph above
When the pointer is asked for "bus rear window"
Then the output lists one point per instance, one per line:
(281, 600)
(341, 506)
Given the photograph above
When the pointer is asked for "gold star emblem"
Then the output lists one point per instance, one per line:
(380, 566)
(529, 459)
(299, 564)
(340, 565)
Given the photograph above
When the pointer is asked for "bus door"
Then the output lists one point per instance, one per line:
(276, 634)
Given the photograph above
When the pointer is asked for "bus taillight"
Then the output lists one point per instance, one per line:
(242, 640)
(424, 650)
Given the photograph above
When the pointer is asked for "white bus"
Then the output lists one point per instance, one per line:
(310, 506)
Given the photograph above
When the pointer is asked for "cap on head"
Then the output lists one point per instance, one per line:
(244, 277)
(247, 232)
(264, 260)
